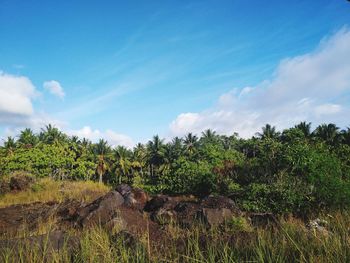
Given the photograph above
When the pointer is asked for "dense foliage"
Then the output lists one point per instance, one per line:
(295, 171)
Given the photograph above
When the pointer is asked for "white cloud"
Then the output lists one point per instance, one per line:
(55, 88)
(310, 87)
(16, 105)
(16, 93)
(112, 137)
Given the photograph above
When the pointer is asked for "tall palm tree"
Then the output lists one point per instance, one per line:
(191, 143)
(305, 128)
(328, 133)
(209, 135)
(52, 135)
(27, 138)
(139, 157)
(123, 162)
(155, 149)
(346, 136)
(177, 147)
(268, 131)
(102, 151)
(9, 145)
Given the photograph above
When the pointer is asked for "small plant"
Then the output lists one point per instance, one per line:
(239, 224)
(37, 187)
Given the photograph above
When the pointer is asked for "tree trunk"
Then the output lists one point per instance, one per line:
(100, 180)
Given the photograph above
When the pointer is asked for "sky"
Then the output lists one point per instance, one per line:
(127, 70)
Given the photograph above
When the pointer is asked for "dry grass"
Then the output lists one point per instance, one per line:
(46, 190)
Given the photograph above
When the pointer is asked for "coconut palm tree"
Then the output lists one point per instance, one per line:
(177, 147)
(52, 135)
(102, 151)
(268, 131)
(346, 136)
(305, 128)
(123, 162)
(328, 133)
(168, 158)
(155, 149)
(9, 145)
(139, 157)
(191, 143)
(27, 138)
(209, 136)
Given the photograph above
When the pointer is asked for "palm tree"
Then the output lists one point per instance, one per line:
(268, 131)
(102, 150)
(191, 142)
(123, 162)
(328, 133)
(177, 147)
(155, 149)
(139, 157)
(346, 136)
(52, 135)
(27, 138)
(170, 155)
(209, 135)
(305, 128)
(9, 145)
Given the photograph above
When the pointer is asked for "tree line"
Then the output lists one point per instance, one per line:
(297, 170)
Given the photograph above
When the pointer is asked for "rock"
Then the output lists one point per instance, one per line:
(218, 202)
(115, 225)
(319, 226)
(187, 213)
(262, 219)
(156, 203)
(136, 198)
(123, 189)
(214, 216)
(4, 187)
(20, 182)
(101, 210)
(15, 218)
(163, 216)
(68, 209)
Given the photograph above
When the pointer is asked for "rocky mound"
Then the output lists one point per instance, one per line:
(125, 210)
(17, 182)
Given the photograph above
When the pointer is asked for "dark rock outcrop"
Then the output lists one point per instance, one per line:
(100, 211)
(156, 203)
(123, 189)
(136, 198)
(17, 182)
(20, 182)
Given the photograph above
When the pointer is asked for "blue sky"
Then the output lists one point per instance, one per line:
(126, 70)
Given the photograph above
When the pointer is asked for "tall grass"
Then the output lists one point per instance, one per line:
(291, 241)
